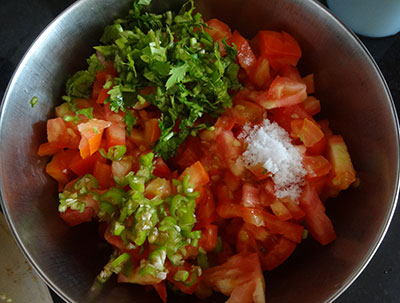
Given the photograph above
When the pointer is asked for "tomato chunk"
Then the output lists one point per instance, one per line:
(318, 223)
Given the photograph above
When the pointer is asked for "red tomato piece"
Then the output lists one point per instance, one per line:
(312, 105)
(245, 55)
(246, 111)
(58, 167)
(260, 75)
(279, 48)
(279, 209)
(310, 133)
(295, 210)
(290, 71)
(198, 176)
(84, 166)
(185, 287)
(309, 81)
(250, 196)
(229, 149)
(279, 253)
(91, 133)
(74, 217)
(151, 131)
(318, 223)
(240, 277)
(316, 166)
(115, 135)
(102, 173)
(205, 209)
(161, 169)
(47, 149)
(260, 217)
(218, 31)
(226, 207)
(60, 135)
(209, 237)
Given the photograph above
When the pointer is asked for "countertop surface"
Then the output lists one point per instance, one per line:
(22, 20)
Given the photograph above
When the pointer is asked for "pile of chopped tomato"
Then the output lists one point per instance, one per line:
(242, 228)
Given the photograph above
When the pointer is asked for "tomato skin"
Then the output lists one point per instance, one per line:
(75, 217)
(318, 223)
(285, 115)
(229, 149)
(226, 207)
(295, 210)
(245, 55)
(245, 111)
(279, 48)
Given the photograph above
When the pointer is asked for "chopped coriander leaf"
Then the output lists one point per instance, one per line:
(34, 101)
(173, 53)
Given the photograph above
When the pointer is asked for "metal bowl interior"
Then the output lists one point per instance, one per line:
(354, 98)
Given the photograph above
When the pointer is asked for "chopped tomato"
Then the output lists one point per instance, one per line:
(198, 176)
(316, 166)
(60, 135)
(102, 173)
(115, 135)
(227, 207)
(58, 167)
(343, 172)
(283, 92)
(161, 169)
(240, 277)
(295, 210)
(47, 149)
(279, 209)
(205, 209)
(91, 133)
(136, 278)
(250, 195)
(312, 105)
(209, 237)
(279, 48)
(158, 187)
(246, 111)
(75, 217)
(260, 217)
(84, 166)
(260, 75)
(229, 149)
(245, 55)
(309, 81)
(189, 286)
(151, 131)
(318, 223)
(217, 29)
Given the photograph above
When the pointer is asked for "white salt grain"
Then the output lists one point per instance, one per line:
(270, 145)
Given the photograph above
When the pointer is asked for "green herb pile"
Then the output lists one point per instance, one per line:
(171, 53)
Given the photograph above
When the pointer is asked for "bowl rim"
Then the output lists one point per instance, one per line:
(346, 30)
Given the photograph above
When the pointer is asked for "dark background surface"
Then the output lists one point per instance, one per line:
(22, 20)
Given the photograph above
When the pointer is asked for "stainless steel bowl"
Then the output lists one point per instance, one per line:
(354, 97)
